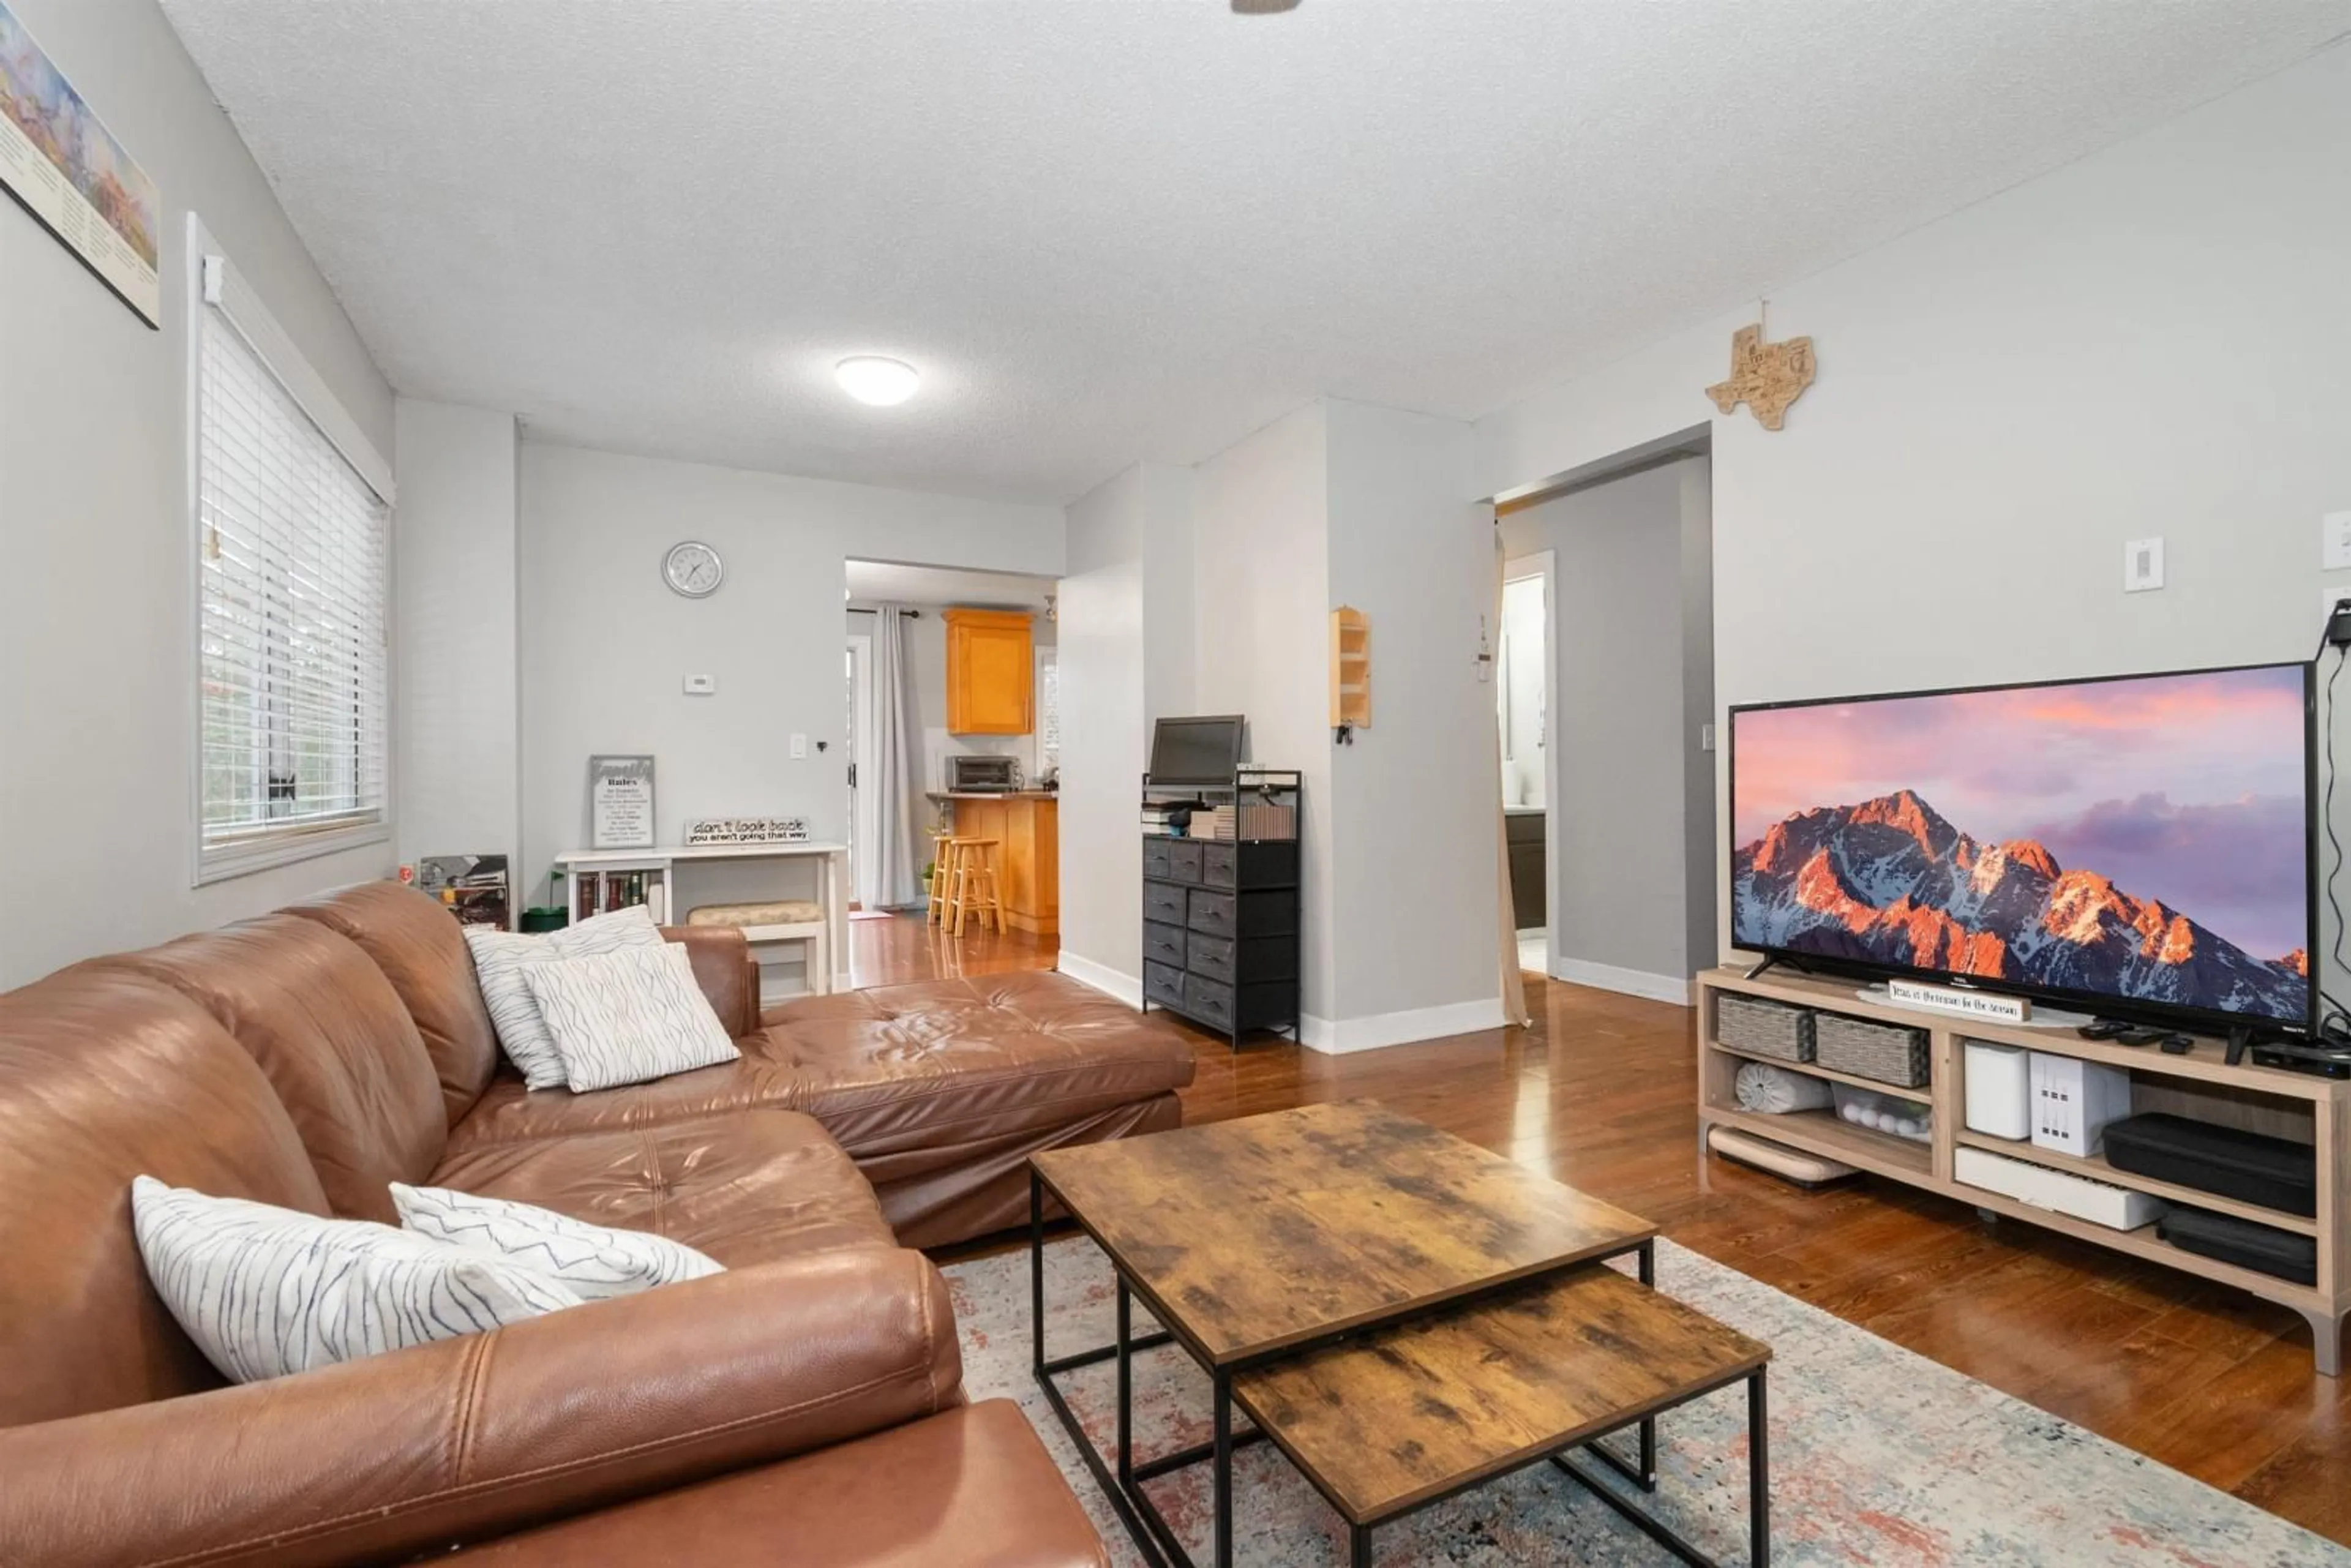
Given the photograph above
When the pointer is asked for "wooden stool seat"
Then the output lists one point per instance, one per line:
(975, 889)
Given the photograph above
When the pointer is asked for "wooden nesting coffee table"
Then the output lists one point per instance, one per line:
(1404, 1313)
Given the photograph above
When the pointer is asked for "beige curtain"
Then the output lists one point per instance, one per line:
(1514, 986)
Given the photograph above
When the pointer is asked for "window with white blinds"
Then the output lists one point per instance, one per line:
(294, 571)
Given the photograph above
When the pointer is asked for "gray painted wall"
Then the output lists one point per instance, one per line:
(1126, 657)
(459, 675)
(1261, 601)
(1632, 681)
(1702, 853)
(97, 634)
(1414, 897)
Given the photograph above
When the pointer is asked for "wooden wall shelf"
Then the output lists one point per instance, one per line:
(1351, 668)
(2314, 1111)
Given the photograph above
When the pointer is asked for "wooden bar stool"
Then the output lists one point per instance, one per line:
(975, 891)
(942, 875)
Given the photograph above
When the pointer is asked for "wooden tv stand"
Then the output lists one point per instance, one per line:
(2200, 1084)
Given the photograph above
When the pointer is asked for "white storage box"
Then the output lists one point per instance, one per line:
(1999, 1089)
(2074, 1100)
(2095, 1201)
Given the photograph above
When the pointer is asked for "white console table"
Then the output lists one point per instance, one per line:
(828, 937)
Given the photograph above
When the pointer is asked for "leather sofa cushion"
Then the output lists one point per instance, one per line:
(724, 968)
(894, 1068)
(333, 1040)
(109, 1075)
(972, 1487)
(420, 949)
(944, 1061)
(747, 1187)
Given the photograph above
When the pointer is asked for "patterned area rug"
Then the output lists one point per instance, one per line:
(1879, 1457)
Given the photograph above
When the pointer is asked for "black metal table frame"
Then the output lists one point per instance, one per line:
(1156, 1539)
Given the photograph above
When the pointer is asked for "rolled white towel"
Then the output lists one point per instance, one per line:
(1776, 1090)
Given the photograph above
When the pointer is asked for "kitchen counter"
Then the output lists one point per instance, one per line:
(992, 795)
(1026, 824)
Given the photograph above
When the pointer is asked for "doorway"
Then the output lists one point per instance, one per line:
(900, 750)
(1522, 698)
(1627, 761)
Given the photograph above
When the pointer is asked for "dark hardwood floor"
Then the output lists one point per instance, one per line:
(1601, 1094)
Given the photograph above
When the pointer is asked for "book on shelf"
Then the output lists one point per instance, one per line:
(606, 892)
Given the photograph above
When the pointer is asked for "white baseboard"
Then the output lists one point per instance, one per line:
(1101, 977)
(1337, 1037)
(1672, 988)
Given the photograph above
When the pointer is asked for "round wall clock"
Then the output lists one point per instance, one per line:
(693, 569)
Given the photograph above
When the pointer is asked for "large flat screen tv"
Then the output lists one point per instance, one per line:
(2139, 846)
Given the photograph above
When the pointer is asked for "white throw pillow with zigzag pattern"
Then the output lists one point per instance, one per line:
(628, 1017)
(265, 1291)
(501, 956)
(590, 1260)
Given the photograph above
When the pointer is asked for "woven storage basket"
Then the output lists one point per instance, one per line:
(1766, 1028)
(1887, 1052)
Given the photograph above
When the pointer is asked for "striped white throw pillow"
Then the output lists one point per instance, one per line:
(500, 957)
(590, 1260)
(265, 1290)
(628, 1017)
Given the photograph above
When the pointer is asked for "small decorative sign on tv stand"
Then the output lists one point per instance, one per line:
(1954, 999)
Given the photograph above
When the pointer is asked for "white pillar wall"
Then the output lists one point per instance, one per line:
(457, 676)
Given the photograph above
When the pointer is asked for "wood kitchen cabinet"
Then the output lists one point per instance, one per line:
(991, 673)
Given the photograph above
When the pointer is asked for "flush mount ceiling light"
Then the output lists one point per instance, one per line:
(869, 377)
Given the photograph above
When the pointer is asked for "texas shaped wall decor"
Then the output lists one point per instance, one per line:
(1766, 377)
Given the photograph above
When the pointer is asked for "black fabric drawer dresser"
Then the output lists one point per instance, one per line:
(1220, 932)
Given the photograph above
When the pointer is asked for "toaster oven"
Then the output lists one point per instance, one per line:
(979, 775)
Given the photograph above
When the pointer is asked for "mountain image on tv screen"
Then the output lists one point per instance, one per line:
(2145, 840)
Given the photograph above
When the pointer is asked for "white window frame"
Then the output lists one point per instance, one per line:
(213, 283)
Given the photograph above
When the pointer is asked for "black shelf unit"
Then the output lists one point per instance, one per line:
(1220, 916)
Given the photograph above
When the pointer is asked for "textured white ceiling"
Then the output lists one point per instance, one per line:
(1117, 229)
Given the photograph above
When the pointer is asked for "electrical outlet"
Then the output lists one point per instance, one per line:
(2335, 542)
(2142, 565)
(800, 747)
(2330, 596)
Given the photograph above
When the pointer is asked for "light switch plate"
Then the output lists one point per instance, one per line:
(1706, 737)
(701, 685)
(2142, 565)
(799, 746)
(2335, 541)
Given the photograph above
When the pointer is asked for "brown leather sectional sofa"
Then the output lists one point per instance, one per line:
(804, 1407)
